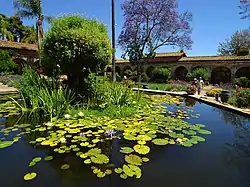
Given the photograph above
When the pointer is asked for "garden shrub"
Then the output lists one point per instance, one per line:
(212, 92)
(242, 97)
(161, 74)
(106, 93)
(77, 46)
(47, 96)
(200, 72)
(7, 65)
(242, 82)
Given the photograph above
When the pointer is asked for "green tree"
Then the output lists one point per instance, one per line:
(200, 72)
(4, 32)
(78, 46)
(6, 63)
(29, 35)
(162, 74)
(16, 27)
(232, 45)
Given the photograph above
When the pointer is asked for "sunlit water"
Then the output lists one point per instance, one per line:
(222, 161)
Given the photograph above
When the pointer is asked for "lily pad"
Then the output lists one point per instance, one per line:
(202, 131)
(31, 164)
(126, 150)
(123, 176)
(37, 159)
(133, 159)
(4, 144)
(65, 167)
(142, 149)
(118, 170)
(100, 159)
(29, 176)
(88, 161)
(145, 159)
(129, 172)
(129, 137)
(100, 175)
(48, 158)
(108, 172)
(160, 141)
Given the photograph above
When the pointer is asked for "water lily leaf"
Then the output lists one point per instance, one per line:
(88, 161)
(61, 151)
(100, 175)
(91, 145)
(42, 129)
(29, 176)
(186, 144)
(46, 142)
(198, 138)
(129, 172)
(133, 159)
(152, 126)
(129, 137)
(144, 138)
(79, 153)
(95, 141)
(76, 149)
(123, 176)
(136, 170)
(151, 135)
(145, 159)
(84, 155)
(160, 141)
(100, 159)
(141, 142)
(37, 159)
(31, 164)
(48, 158)
(142, 149)
(189, 132)
(4, 144)
(126, 150)
(96, 170)
(74, 131)
(108, 172)
(84, 144)
(94, 151)
(65, 167)
(200, 125)
(202, 131)
(118, 170)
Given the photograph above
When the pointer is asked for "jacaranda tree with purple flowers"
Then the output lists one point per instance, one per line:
(151, 24)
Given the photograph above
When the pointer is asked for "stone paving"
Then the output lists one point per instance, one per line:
(5, 89)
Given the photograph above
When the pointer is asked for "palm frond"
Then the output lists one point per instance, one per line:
(49, 19)
(25, 14)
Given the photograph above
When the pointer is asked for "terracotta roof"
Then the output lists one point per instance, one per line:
(159, 55)
(18, 45)
(213, 58)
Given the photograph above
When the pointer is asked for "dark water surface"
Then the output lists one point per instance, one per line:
(222, 161)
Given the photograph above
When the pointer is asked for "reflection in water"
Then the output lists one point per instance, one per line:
(237, 151)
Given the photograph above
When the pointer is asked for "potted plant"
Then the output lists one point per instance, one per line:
(191, 89)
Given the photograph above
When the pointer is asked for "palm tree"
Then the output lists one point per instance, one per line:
(32, 9)
(4, 32)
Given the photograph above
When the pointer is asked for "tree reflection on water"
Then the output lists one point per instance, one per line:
(237, 152)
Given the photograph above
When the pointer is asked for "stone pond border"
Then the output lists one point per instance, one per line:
(207, 100)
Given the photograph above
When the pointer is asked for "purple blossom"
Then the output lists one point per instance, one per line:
(82, 134)
(110, 133)
(152, 24)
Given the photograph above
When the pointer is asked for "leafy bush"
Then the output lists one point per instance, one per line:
(212, 92)
(200, 72)
(162, 74)
(78, 46)
(106, 94)
(7, 65)
(242, 82)
(45, 95)
(242, 98)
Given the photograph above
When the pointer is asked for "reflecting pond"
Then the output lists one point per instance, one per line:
(223, 160)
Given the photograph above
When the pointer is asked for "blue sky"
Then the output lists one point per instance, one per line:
(213, 22)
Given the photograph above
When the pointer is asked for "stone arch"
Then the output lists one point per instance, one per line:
(20, 62)
(196, 67)
(108, 69)
(243, 72)
(149, 71)
(127, 70)
(118, 70)
(221, 74)
(180, 73)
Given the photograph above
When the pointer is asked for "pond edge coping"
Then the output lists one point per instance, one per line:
(203, 99)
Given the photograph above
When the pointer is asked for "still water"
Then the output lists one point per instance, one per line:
(222, 161)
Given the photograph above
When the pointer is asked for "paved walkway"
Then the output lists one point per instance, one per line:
(5, 89)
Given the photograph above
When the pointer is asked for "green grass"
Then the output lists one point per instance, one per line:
(167, 87)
